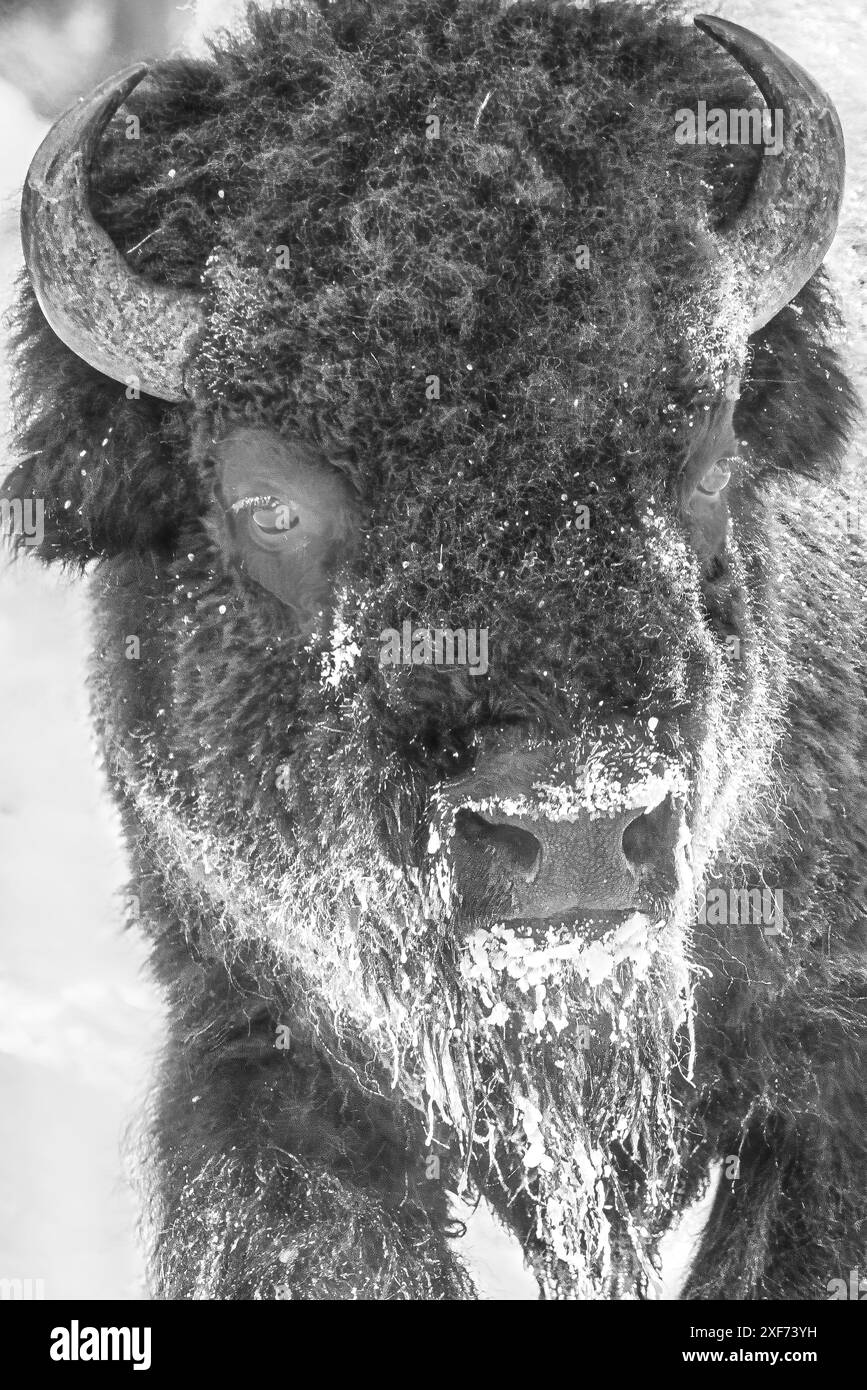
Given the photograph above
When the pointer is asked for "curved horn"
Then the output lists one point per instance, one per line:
(121, 323)
(781, 235)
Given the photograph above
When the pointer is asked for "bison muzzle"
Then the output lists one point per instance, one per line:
(416, 313)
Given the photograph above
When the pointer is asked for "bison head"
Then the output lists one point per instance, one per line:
(390, 326)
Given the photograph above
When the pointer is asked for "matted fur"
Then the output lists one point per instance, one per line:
(277, 793)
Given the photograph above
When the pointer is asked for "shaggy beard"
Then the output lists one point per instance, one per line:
(557, 1093)
(576, 1132)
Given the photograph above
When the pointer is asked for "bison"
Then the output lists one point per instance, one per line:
(421, 318)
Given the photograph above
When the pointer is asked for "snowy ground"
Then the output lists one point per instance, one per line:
(78, 1021)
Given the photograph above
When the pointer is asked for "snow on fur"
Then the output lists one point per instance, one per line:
(283, 795)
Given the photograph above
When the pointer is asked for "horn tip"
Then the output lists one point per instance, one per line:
(118, 85)
(717, 28)
(82, 124)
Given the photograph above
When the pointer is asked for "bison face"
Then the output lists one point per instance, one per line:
(460, 651)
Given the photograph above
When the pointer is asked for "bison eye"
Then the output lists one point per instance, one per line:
(267, 521)
(706, 506)
(281, 517)
(291, 516)
(716, 477)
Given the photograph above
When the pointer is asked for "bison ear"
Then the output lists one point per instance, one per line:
(108, 469)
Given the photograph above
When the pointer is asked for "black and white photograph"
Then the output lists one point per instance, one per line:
(433, 797)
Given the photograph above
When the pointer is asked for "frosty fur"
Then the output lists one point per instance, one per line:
(276, 794)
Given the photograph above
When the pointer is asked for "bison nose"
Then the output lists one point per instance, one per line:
(516, 851)
(526, 847)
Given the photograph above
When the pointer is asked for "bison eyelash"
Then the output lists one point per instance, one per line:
(247, 504)
(251, 504)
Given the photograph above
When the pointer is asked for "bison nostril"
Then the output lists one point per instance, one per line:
(649, 841)
(518, 848)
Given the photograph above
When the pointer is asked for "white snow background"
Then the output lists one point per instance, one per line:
(79, 1021)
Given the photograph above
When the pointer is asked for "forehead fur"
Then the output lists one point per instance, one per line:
(350, 259)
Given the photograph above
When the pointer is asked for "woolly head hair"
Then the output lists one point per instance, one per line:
(454, 258)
